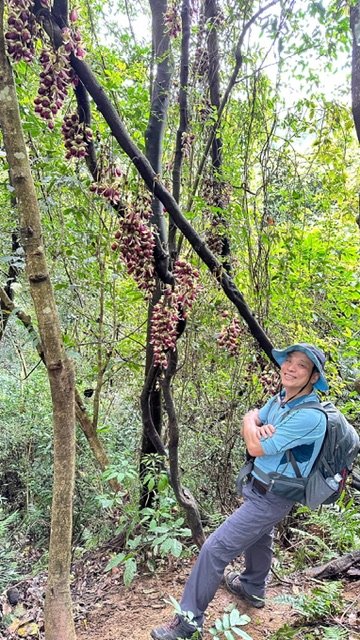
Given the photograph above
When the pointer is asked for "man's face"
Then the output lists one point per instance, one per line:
(296, 371)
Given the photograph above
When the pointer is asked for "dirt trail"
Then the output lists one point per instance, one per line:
(131, 613)
(105, 610)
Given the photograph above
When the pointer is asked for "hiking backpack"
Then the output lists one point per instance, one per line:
(327, 477)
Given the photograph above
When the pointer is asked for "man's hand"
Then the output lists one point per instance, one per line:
(265, 431)
(251, 427)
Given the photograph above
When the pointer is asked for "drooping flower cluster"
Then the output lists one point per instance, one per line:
(171, 309)
(215, 236)
(201, 61)
(269, 380)
(164, 322)
(22, 31)
(76, 136)
(187, 140)
(73, 41)
(229, 336)
(204, 109)
(56, 74)
(135, 243)
(172, 19)
(55, 78)
(109, 185)
(187, 285)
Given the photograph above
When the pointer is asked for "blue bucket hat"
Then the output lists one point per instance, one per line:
(313, 353)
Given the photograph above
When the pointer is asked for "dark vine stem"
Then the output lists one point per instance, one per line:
(184, 117)
(220, 238)
(183, 496)
(355, 66)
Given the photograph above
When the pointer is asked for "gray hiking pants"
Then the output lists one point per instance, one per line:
(248, 530)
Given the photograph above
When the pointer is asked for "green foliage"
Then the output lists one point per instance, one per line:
(331, 530)
(154, 532)
(228, 626)
(320, 605)
(9, 569)
(305, 633)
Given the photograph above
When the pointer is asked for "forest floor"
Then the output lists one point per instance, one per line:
(119, 613)
(107, 610)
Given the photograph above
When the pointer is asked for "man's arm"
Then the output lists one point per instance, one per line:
(251, 433)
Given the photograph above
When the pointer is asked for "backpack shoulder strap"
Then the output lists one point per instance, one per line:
(305, 405)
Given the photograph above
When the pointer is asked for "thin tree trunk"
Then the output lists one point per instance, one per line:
(154, 136)
(59, 624)
(355, 65)
(183, 495)
(11, 278)
(219, 198)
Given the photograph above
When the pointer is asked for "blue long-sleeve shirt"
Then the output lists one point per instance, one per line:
(302, 431)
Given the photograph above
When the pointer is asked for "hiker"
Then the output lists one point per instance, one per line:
(249, 529)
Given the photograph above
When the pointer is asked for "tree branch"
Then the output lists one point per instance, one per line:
(156, 187)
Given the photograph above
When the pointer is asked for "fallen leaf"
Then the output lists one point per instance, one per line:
(18, 623)
(19, 610)
(30, 629)
(6, 608)
(13, 627)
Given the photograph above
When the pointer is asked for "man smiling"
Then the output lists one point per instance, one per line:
(268, 434)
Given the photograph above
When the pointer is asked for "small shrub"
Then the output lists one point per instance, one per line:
(321, 604)
(9, 572)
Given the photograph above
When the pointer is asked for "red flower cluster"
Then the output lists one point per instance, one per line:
(56, 73)
(135, 243)
(54, 81)
(76, 136)
(164, 321)
(187, 140)
(23, 29)
(172, 20)
(171, 308)
(229, 335)
(110, 185)
(73, 40)
(270, 380)
(187, 285)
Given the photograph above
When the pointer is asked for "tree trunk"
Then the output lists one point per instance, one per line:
(355, 66)
(59, 623)
(218, 239)
(154, 136)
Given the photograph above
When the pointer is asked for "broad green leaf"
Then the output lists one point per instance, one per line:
(242, 634)
(115, 561)
(130, 571)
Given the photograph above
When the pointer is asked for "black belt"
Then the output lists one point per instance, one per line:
(260, 486)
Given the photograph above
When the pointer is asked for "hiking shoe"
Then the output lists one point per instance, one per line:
(234, 584)
(177, 628)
